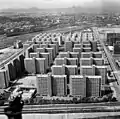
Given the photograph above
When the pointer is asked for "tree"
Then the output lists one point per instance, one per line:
(114, 99)
(62, 101)
(75, 100)
(110, 96)
(105, 98)
(26, 101)
(96, 100)
(57, 101)
(35, 100)
(84, 100)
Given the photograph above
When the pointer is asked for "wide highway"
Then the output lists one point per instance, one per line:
(83, 107)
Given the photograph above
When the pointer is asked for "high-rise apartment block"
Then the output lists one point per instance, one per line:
(71, 70)
(79, 50)
(72, 61)
(87, 49)
(86, 54)
(40, 50)
(35, 65)
(102, 71)
(43, 45)
(68, 46)
(47, 57)
(60, 61)
(93, 86)
(54, 49)
(40, 65)
(91, 61)
(57, 46)
(87, 45)
(35, 46)
(87, 70)
(59, 85)
(34, 54)
(64, 54)
(30, 66)
(64, 70)
(28, 51)
(98, 61)
(66, 61)
(86, 61)
(4, 79)
(77, 45)
(58, 70)
(74, 54)
(97, 55)
(94, 46)
(44, 85)
(51, 51)
(78, 85)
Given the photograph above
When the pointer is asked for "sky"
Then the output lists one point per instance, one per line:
(42, 3)
(51, 3)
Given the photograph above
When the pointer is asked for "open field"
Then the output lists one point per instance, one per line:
(8, 41)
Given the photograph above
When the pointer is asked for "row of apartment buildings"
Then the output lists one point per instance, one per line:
(76, 71)
(56, 85)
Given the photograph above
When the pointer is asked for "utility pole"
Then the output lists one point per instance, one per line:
(14, 110)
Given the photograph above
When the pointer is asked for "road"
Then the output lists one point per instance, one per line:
(116, 84)
(84, 107)
(69, 116)
(108, 54)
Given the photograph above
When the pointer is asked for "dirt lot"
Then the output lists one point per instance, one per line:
(27, 81)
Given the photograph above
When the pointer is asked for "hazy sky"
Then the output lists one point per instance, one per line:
(42, 3)
(49, 3)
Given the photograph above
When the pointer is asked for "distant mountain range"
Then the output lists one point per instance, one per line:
(91, 7)
(77, 9)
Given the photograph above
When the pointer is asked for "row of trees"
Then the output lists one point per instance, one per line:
(39, 101)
